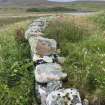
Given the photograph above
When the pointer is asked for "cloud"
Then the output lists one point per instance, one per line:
(62, 0)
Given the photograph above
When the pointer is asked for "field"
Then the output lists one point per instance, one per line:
(81, 40)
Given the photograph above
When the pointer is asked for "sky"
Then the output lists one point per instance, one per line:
(62, 0)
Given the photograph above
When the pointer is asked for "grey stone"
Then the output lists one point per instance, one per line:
(46, 46)
(42, 90)
(61, 60)
(32, 31)
(53, 85)
(64, 97)
(41, 22)
(48, 72)
(37, 26)
(42, 46)
(85, 102)
(46, 59)
(41, 93)
(33, 43)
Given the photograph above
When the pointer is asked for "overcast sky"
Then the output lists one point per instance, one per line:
(72, 0)
(62, 0)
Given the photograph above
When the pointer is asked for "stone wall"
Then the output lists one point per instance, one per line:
(48, 71)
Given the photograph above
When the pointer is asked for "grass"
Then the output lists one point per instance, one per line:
(16, 75)
(10, 20)
(84, 49)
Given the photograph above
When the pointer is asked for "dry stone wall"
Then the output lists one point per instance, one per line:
(48, 72)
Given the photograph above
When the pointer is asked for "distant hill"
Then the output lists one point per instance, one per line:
(22, 2)
(37, 2)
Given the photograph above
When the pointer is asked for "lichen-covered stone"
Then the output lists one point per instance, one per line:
(64, 97)
(48, 72)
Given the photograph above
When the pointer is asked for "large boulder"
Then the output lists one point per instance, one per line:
(48, 72)
(46, 46)
(64, 97)
(42, 46)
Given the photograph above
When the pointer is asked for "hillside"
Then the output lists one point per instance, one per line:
(41, 2)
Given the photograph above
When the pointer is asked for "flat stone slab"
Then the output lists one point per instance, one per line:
(48, 72)
(64, 97)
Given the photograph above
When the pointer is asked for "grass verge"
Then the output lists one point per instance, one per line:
(16, 76)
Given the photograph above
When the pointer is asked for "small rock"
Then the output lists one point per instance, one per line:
(48, 72)
(61, 60)
(85, 102)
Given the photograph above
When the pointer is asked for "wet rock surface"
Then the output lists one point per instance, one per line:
(48, 72)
